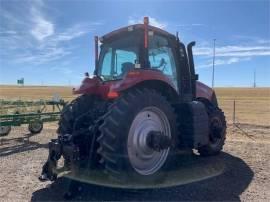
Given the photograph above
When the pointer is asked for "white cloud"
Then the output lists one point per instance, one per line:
(152, 21)
(45, 55)
(234, 51)
(252, 39)
(8, 32)
(224, 61)
(31, 37)
(190, 25)
(230, 54)
(42, 28)
(75, 31)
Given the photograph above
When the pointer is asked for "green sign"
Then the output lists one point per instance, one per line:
(20, 81)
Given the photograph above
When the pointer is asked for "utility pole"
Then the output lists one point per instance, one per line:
(214, 57)
(254, 84)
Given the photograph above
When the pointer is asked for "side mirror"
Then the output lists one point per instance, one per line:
(196, 77)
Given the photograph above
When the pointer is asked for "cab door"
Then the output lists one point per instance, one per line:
(161, 57)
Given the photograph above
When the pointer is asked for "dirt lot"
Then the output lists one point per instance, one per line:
(246, 159)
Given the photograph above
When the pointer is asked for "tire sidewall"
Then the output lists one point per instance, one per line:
(145, 99)
(214, 148)
(218, 114)
(72, 111)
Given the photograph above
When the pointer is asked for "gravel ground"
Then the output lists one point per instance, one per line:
(246, 158)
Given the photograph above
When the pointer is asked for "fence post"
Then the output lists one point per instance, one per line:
(233, 112)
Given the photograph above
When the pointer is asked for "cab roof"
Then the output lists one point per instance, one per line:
(134, 27)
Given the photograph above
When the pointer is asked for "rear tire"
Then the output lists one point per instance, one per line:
(217, 131)
(117, 131)
(78, 115)
(72, 112)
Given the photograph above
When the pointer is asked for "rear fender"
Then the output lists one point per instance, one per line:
(144, 77)
(134, 78)
(94, 86)
(206, 93)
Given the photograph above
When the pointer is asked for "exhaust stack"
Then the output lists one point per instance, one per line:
(193, 76)
(146, 23)
(96, 54)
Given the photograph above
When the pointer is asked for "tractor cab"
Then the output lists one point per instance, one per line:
(124, 50)
(147, 53)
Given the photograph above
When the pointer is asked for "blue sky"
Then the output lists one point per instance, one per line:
(51, 42)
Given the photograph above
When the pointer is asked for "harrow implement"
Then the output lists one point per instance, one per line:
(33, 113)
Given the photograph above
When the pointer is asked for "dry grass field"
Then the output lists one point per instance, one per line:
(246, 156)
(252, 105)
(34, 92)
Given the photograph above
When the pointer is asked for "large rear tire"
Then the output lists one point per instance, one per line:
(217, 131)
(77, 116)
(69, 119)
(123, 148)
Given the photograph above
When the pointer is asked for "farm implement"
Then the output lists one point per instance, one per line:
(33, 113)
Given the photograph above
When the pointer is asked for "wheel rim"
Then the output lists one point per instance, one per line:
(36, 126)
(4, 129)
(143, 159)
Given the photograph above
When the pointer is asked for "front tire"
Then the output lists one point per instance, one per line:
(125, 154)
(217, 131)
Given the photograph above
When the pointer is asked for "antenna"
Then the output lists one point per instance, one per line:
(254, 79)
(177, 36)
(214, 57)
(96, 54)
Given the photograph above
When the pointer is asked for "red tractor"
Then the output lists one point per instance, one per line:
(142, 106)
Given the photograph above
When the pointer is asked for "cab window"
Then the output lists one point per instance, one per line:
(118, 57)
(161, 57)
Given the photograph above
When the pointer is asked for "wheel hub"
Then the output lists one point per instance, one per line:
(143, 157)
(157, 141)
